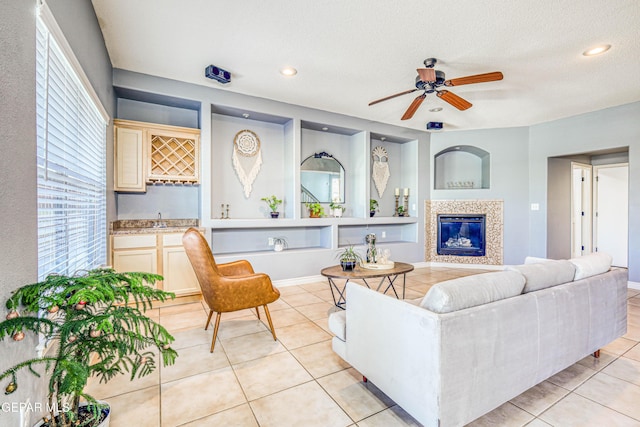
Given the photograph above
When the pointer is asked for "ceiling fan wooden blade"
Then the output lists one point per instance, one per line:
(453, 99)
(427, 74)
(391, 96)
(478, 78)
(413, 107)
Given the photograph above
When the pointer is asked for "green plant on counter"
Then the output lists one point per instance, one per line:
(315, 210)
(273, 202)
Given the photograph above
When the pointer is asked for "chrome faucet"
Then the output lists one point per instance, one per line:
(160, 223)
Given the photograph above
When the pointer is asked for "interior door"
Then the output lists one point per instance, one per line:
(611, 225)
(581, 208)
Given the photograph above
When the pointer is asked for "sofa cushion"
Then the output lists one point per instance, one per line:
(470, 291)
(338, 324)
(545, 274)
(591, 265)
(535, 260)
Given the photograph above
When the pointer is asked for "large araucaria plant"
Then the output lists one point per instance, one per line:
(96, 327)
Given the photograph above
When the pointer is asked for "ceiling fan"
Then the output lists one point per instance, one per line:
(429, 80)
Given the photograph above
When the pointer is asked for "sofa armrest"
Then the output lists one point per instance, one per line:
(395, 345)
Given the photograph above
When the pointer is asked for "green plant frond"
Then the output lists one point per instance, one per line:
(27, 323)
(28, 364)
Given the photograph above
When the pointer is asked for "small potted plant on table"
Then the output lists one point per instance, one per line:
(349, 258)
(99, 327)
(315, 210)
(273, 203)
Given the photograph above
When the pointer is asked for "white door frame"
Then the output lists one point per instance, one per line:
(581, 216)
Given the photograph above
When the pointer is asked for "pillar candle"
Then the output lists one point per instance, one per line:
(406, 191)
(397, 191)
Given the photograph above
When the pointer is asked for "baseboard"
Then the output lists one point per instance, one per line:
(633, 285)
(283, 283)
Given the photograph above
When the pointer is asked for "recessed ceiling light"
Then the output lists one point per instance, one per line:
(288, 71)
(382, 138)
(325, 128)
(436, 109)
(597, 50)
(245, 115)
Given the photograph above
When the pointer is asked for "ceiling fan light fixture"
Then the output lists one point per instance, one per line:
(288, 71)
(597, 50)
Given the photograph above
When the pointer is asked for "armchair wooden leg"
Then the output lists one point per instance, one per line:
(215, 332)
(273, 331)
(206, 325)
(258, 313)
(596, 354)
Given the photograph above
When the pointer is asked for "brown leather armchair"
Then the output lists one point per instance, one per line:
(227, 287)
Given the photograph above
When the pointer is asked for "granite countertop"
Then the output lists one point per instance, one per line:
(152, 226)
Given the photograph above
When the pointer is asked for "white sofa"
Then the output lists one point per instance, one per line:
(473, 343)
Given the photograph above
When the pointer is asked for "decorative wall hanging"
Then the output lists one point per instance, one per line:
(247, 158)
(380, 171)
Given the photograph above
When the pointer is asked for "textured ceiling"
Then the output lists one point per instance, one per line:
(349, 53)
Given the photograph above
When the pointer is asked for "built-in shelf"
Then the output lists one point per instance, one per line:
(462, 167)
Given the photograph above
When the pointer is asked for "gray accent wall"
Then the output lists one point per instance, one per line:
(611, 128)
(509, 180)
(18, 209)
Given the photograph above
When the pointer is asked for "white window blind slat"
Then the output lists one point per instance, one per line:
(71, 165)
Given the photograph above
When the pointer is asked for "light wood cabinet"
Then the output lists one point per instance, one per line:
(160, 253)
(152, 153)
(129, 159)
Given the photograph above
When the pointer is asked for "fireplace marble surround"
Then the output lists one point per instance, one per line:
(493, 209)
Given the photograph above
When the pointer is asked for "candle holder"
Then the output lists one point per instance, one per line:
(395, 211)
(406, 205)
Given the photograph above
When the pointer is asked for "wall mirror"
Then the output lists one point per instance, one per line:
(322, 179)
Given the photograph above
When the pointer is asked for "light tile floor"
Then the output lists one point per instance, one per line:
(251, 380)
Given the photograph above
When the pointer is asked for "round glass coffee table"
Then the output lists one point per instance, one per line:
(387, 277)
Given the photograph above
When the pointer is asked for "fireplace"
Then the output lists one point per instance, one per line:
(461, 234)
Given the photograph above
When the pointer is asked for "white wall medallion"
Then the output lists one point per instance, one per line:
(380, 171)
(247, 158)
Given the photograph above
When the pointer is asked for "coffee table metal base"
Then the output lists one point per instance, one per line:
(387, 280)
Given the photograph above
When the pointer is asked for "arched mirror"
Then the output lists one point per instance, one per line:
(322, 179)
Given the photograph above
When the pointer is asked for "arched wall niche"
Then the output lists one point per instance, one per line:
(462, 167)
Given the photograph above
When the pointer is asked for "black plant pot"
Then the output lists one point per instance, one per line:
(372, 213)
(348, 265)
(275, 214)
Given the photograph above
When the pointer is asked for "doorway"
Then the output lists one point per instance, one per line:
(611, 207)
(581, 208)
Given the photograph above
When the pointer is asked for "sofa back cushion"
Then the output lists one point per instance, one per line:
(592, 264)
(470, 291)
(545, 274)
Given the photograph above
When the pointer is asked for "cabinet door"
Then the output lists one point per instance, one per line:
(179, 276)
(138, 260)
(129, 160)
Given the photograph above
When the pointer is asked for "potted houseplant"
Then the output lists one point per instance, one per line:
(273, 203)
(279, 243)
(400, 211)
(315, 210)
(336, 209)
(97, 321)
(349, 258)
(373, 207)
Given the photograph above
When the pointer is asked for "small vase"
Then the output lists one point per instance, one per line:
(278, 247)
(348, 265)
(337, 213)
(314, 215)
(275, 214)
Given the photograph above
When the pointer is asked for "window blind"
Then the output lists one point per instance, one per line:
(71, 159)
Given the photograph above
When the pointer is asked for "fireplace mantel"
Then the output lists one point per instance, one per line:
(492, 209)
